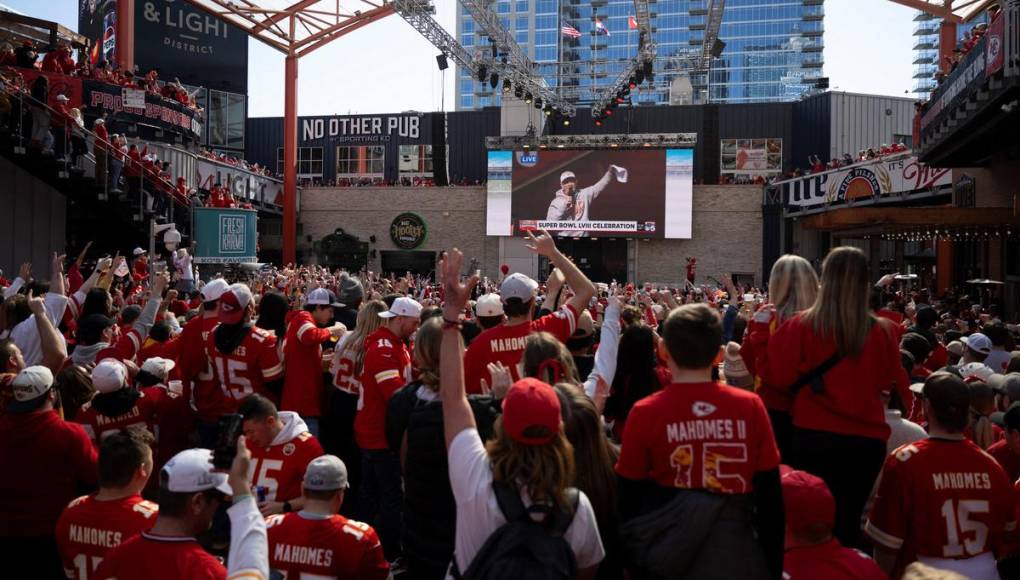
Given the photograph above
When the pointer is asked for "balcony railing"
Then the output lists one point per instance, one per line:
(926, 28)
(813, 13)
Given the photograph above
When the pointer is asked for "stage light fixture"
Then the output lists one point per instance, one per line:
(548, 111)
(566, 121)
(527, 98)
(647, 69)
(598, 122)
(506, 85)
(483, 73)
(519, 92)
(493, 80)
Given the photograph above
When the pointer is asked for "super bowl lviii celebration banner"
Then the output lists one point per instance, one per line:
(874, 179)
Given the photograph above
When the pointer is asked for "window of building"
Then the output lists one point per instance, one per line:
(309, 162)
(415, 161)
(361, 161)
(226, 118)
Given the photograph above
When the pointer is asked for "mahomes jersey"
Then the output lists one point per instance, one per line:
(195, 366)
(698, 436)
(247, 369)
(941, 498)
(333, 547)
(88, 529)
(505, 344)
(143, 414)
(281, 468)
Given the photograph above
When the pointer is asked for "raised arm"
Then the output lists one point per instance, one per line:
(605, 356)
(545, 245)
(24, 277)
(602, 183)
(457, 415)
(54, 349)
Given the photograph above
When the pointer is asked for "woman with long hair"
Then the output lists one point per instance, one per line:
(414, 428)
(835, 359)
(793, 287)
(343, 402)
(273, 308)
(637, 375)
(548, 360)
(594, 458)
(529, 461)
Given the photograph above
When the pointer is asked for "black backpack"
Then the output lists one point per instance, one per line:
(522, 547)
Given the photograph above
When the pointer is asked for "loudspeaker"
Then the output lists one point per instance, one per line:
(822, 83)
(439, 150)
(717, 48)
(441, 61)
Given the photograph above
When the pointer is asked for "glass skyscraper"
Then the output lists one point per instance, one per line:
(773, 48)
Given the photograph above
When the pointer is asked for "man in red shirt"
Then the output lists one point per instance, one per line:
(195, 367)
(1006, 451)
(140, 267)
(93, 524)
(942, 500)
(244, 357)
(386, 368)
(811, 550)
(302, 349)
(116, 405)
(281, 448)
(505, 343)
(696, 434)
(46, 462)
(319, 542)
(190, 493)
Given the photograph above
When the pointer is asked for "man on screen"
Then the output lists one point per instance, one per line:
(573, 204)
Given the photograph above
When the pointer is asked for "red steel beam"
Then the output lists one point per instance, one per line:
(290, 129)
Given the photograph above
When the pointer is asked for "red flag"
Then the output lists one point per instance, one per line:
(632, 23)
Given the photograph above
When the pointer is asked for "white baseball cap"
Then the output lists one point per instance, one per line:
(28, 386)
(62, 98)
(326, 473)
(191, 471)
(139, 251)
(213, 289)
(321, 296)
(978, 343)
(403, 306)
(489, 305)
(109, 376)
(567, 175)
(976, 371)
(518, 286)
(158, 367)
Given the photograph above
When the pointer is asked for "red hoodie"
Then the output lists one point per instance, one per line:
(851, 401)
(302, 349)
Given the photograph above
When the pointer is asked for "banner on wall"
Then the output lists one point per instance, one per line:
(157, 111)
(878, 178)
(133, 98)
(225, 236)
(59, 84)
(243, 185)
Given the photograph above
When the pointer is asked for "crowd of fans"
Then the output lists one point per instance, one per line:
(235, 162)
(502, 428)
(58, 59)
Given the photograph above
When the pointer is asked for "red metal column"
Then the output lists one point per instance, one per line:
(125, 42)
(290, 127)
(947, 38)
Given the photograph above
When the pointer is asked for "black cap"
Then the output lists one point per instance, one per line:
(1011, 418)
(91, 327)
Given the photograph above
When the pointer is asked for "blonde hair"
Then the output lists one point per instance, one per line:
(547, 359)
(427, 343)
(793, 286)
(368, 322)
(840, 311)
(544, 471)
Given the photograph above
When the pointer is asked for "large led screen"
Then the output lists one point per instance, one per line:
(641, 193)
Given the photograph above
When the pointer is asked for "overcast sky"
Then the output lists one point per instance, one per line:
(388, 67)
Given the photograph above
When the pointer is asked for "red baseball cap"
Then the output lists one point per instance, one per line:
(529, 406)
(809, 504)
(233, 303)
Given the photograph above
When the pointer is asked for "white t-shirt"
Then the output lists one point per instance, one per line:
(478, 513)
(184, 268)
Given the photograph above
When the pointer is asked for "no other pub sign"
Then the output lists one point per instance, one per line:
(225, 236)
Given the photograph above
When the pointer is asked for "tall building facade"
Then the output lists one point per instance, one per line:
(926, 49)
(773, 48)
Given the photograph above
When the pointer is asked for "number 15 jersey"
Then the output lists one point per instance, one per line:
(941, 498)
(247, 369)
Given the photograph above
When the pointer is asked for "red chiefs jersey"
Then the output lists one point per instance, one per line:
(387, 367)
(302, 349)
(505, 344)
(830, 561)
(305, 546)
(698, 436)
(195, 367)
(941, 498)
(160, 558)
(280, 468)
(89, 528)
(143, 414)
(245, 371)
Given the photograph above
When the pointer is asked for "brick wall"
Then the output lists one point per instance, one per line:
(455, 217)
(726, 237)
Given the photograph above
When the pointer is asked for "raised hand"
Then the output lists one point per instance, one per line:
(543, 244)
(457, 292)
(501, 380)
(25, 272)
